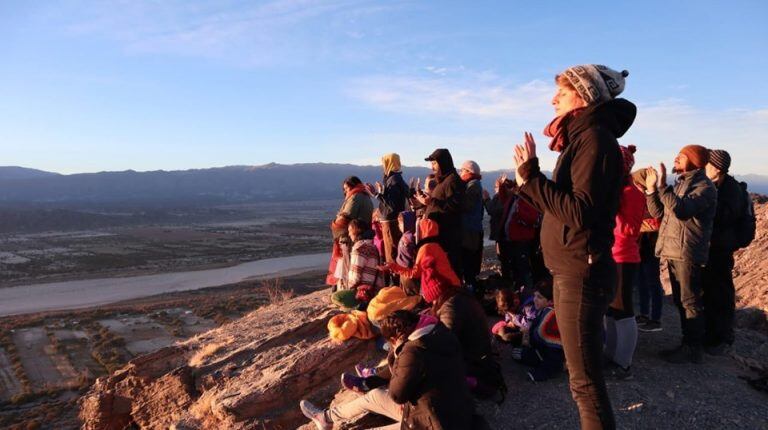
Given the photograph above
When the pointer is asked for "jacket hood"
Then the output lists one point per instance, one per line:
(428, 228)
(616, 116)
(443, 158)
(409, 221)
(391, 163)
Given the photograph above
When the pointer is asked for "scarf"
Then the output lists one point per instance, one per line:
(357, 189)
(557, 130)
(468, 176)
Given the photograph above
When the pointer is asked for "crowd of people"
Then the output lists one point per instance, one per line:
(572, 250)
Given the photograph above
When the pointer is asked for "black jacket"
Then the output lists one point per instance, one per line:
(580, 202)
(428, 379)
(731, 208)
(393, 196)
(464, 316)
(445, 204)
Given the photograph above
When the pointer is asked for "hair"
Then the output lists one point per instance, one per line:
(544, 287)
(562, 81)
(359, 225)
(398, 324)
(352, 181)
(505, 298)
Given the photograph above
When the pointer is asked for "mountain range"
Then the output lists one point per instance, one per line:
(221, 185)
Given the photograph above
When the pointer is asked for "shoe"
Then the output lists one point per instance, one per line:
(621, 374)
(363, 371)
(642, 320)
(315, 414)
(353, 383)
(719, 349)
(685, 354)
(650, 326)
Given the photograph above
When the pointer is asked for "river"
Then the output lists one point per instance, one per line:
(53, 296)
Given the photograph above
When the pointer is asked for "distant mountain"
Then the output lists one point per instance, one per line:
(16, 172)
(756, 183)
(232, 184)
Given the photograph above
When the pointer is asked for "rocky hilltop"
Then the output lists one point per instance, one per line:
(250, 374)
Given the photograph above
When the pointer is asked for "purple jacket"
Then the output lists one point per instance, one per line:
(406, 247)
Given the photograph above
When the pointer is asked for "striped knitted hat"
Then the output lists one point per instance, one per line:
(721, 159)
(596, 83)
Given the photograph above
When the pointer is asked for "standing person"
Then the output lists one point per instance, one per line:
(580, 205)
(649, 286)
(356, 205)
(392, 197)
(472, 223)
(732, 213)
(443, 204)
(518, 235)
(689, 211)
(620, 323)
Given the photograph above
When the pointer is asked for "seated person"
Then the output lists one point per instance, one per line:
(427, 388)
(406, 250)
(517, 316)
(543, 349)
(363, 268)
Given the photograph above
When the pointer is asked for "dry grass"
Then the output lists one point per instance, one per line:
(206, 351)
(275, 291)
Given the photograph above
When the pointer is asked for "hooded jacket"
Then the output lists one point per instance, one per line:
(428, 380)
(731, 208)
(581, 201)
(393, 197)
(406, 247)
(472, 207)
(626, 248)
(446, 200)
(689, 212)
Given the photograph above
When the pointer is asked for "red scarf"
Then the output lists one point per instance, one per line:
(468, 176)
(557, 130)
(357, 189)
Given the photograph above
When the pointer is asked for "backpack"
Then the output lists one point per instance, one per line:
(747, 225)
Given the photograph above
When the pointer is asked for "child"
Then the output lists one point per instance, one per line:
(406, 250)
(363, 273)
(545, 350)
(517, 316)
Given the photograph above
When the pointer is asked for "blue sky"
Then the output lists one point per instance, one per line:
(174, 84)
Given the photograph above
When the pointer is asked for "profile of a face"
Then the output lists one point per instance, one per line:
(680, 164)
(566, 100)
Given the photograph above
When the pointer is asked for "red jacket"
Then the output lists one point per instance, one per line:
(520, 220)
(629, 219)
(432, 264)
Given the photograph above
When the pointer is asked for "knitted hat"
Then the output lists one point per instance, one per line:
(596, 83)
(721, 159)
(697, 155)
(627, 154)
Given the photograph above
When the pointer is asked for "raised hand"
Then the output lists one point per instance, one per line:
(379, 188)
(486, 195)
(369, 188)
(663, 176)
(523, 153)
(651, 179)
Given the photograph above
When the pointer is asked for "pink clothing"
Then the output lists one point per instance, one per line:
(629, 219)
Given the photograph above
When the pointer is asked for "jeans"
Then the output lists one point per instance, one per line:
(719, 299)
(687, 293)
(515, 259)
(377, 401)
(649, 287)
(581, 303)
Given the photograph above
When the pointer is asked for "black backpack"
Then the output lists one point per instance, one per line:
(746, 225)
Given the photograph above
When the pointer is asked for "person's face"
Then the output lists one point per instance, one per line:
(435, 167)
(345, 187)
(566, 100)
(539, 301)
(354, 234)
(712, 172)
(681, 162)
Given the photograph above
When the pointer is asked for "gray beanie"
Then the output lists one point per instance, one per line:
(720, 159)
(596, 83)
(471, 166)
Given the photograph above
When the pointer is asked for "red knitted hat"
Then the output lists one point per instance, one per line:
(627, 153)
(697, 155)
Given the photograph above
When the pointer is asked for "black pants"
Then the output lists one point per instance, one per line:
(719, 298)
(515, 259)
(472, 259)
(687, 293)
(581, 303)
(622, 306)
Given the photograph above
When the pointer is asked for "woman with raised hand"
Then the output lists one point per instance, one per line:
(579, 204)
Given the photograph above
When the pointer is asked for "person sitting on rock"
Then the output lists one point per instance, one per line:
(363, 269)
(543, 350)
(517, 314)
(427, 388)
(406, 250)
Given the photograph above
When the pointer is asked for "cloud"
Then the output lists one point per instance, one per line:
(246, 33)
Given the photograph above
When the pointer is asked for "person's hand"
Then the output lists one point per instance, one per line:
(651, 179)
(422, 198)
(663, 176)
(486, 195)
(379, 188)
(523, 153)
(369, 189)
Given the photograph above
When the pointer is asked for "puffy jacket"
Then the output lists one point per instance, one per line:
(689, 212)
(406, 247)
(581, 201)
(626, 248)
(472, 210)
(428, 379)
(731, 207)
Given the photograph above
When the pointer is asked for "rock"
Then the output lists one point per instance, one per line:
(250, 373)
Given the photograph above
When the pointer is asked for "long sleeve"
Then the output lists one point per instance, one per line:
(690, 205)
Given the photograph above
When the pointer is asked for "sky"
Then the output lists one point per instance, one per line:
(89, 86)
